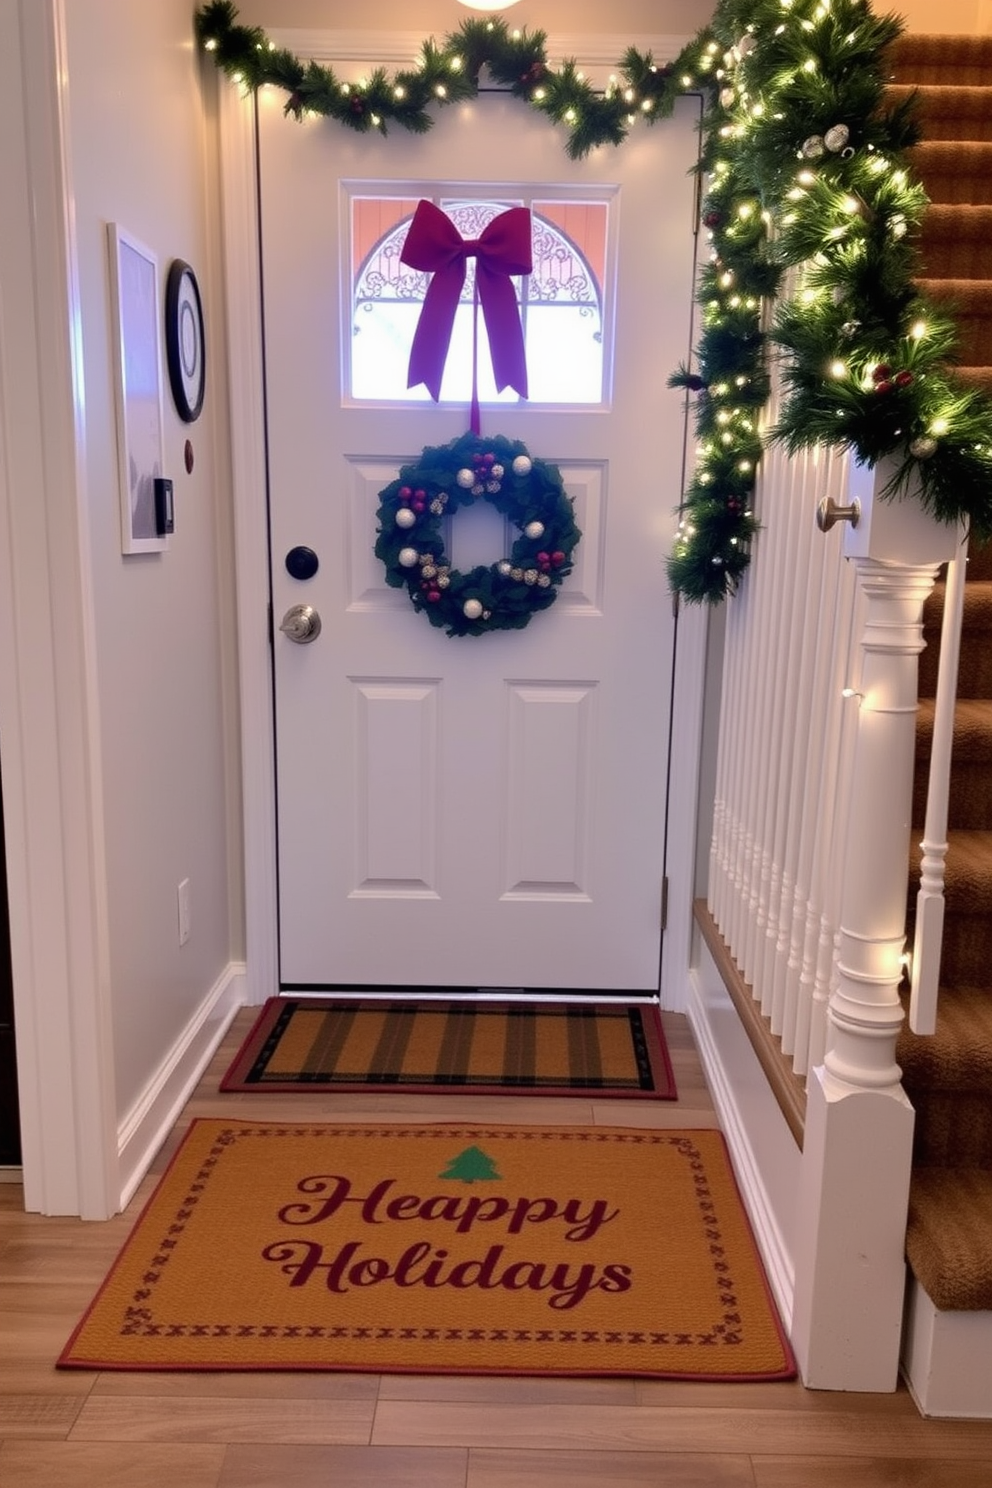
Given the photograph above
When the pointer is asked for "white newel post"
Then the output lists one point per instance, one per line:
(854, 1177)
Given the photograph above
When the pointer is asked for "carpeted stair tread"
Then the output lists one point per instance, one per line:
(977, 606)
(947, 1236)
(954, 173)
(958, 1056)
(972, 729)
(970, 795)
(967, 872)
(974, 379)
(954, 241)
(970, 300)
(975, 665)
(980, 555)
(948, 112)
(948, 1077)
(934, 58)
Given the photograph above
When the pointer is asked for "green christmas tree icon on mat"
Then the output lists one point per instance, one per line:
(470, 1165)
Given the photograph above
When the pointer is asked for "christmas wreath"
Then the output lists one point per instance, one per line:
(411, 541)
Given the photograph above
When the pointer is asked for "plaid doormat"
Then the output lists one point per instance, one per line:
(431, 1047)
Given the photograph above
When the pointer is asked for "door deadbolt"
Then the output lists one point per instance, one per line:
(301, 623)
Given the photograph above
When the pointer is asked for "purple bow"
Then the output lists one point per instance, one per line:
(434, 245)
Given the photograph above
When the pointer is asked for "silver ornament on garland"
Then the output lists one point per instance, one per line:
(923, 448)
(813, 148)
(850, 328)
(836, 137)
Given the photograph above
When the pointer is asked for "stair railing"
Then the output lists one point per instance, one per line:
(929, 931)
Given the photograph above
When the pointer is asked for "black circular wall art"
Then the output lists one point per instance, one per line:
(184, 341)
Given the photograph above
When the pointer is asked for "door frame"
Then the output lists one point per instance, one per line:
(240, 224)
(52, 791)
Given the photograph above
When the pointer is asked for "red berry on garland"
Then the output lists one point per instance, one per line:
(544, 557)
(881, 372)
(712, 219)
(904, 379)
(557, 558)
(534, 73)
(434, 596)
(357, 106)
(885, 386)
(405, 493)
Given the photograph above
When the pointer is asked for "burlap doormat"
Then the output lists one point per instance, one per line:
(440, 1249)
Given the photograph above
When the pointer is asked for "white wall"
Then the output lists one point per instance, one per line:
(438, 17)
(163, 623)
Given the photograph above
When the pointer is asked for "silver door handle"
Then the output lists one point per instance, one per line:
(301, 623)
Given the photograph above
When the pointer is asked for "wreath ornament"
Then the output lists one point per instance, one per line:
(529, 493)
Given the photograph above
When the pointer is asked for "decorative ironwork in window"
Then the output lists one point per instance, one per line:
(560, 303)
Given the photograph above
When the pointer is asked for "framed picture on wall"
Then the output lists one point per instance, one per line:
(135, 307)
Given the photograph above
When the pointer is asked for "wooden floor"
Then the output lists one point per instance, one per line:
(365, 1431)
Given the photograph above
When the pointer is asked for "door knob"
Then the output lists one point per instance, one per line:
(301, 623)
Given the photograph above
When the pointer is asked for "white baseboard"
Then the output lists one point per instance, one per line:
(154, 1113)
(945, 1358)
(764, 1153)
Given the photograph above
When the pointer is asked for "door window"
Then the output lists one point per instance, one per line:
(561, 302)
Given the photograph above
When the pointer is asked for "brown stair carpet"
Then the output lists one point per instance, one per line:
(949, 1077)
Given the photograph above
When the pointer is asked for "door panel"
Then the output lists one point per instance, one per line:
(474, 811)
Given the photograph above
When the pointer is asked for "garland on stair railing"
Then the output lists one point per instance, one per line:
(806, 170)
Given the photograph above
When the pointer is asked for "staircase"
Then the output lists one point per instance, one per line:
(949, 1077)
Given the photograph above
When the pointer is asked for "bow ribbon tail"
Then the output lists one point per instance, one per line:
(506, 338)
(433, 334)
(475, 416)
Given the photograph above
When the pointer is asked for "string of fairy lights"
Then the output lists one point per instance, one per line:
(812, 214)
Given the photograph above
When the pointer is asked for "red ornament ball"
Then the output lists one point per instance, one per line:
(881, 372)
(885, 386)
(904, 379)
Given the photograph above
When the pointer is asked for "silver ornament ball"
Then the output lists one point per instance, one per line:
(466, 479)
(836, 137)
(408, 557)
(405, 517)
(472, 609)
(522, 465)
(534, 530)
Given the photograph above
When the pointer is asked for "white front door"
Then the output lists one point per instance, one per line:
(478, 811)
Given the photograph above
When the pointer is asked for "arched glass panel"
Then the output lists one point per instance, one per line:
(560, 304)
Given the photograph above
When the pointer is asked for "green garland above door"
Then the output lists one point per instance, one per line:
(805, 170)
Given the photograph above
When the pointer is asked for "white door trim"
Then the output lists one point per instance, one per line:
(243, 290)
(49, 709)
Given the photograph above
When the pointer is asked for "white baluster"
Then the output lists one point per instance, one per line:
(929, 930)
